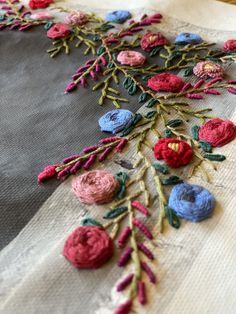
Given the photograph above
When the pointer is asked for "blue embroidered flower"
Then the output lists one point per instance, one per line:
(119, 16)
(191, 202)
(188, 38)
(115, 120)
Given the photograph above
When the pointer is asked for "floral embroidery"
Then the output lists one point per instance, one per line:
(58, 30)
(76, 18)
(191, 202)
(41, 16)
(175, 153)
(206, 69)
(217, 132)
(188, 38)
(113, 56)
(88, 247)
(152, 40)
(95, 187)
(39, 4)
(130, 57)
(166, 82)
(230, 45)
(116, 120)
(119, 16)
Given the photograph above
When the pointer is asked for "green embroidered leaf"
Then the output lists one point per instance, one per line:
(172, 218)
(205, 146)
(115, 212)
(215, 157)
(194, 131)
(161, 168)
(100, 50)
(121, 177)
(127, 131)
(137, 117)
(188, 72)
(142, 97)
(174, 123)
(105, 27)
(171, 180)
(168, 133)
(90, 222)
(127, 83)
(151, 103)
(155, 51)
(150, 114)
(146, 77)
(48, 25)
(110, 65)
(132, 89)
(96, 38)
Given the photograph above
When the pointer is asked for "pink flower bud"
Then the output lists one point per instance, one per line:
(90, 149)
(123, 237)
(108, 140)
(124, 308)
(47, 173)
(90, 162)
(121, 145)
(149, 272)
(198, 84)
(138, 223)
(140, 207)
(141, 293)
(104, 155)
(125, 282)
(70, 87)
(125, 256)
(194, 96)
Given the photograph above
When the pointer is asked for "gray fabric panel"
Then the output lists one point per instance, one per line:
(38, 124)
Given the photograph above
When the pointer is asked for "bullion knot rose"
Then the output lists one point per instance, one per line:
(119, 16)
(95, 187)
(130, 57)
(41, 16)
(191, 202)
(174, 152)
(115, 120)
(208, 69)
(217, 132)
(76, 18)
(166, 82)
(58, 30)
(230, 45)
(152, 40)
(88, 247)
(188, 38)
(39, 4)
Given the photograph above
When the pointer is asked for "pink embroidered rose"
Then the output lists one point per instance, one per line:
(130, 57)
(41, 16)
(95, 187)
(39, 4)
(217, 132)
(58, 30)
(208, 69)
(76, 18)
(88, 247)
(230, 45)
(152, 40)
(166, 82)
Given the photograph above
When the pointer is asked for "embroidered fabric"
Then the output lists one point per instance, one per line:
(28, 265)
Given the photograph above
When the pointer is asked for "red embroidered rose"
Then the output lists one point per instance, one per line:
(58, 30)
(88, 247)
(166, 82)
(174, 152)
(218, 132)
(39, 4)
(230, 45)
(152, 40)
